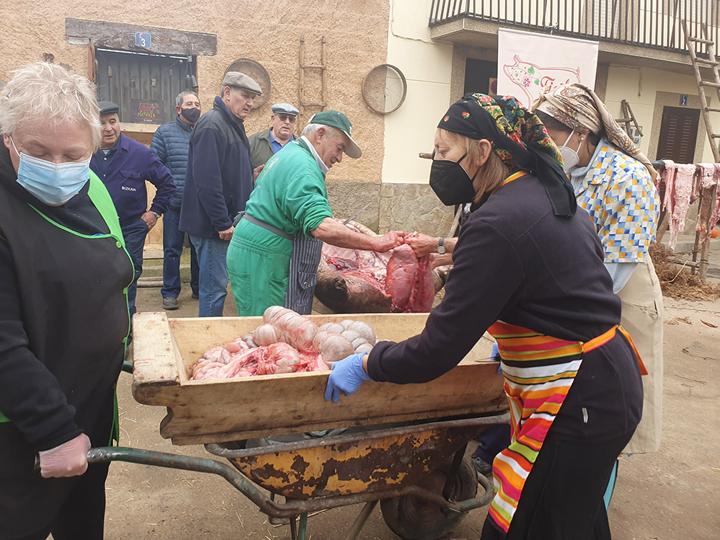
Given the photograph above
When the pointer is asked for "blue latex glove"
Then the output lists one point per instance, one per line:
(495, 355)
(346, 377)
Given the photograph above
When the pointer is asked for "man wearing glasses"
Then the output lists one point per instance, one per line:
(267, 142)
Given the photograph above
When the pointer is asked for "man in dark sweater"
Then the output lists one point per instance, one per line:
(124, 165)
(171, 143)
(217, 186)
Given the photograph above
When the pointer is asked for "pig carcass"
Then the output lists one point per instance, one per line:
(359, 281)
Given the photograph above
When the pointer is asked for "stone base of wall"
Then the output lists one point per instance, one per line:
(358, 201)
(386, 207)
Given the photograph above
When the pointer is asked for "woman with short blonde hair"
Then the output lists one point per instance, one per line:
(63, 308)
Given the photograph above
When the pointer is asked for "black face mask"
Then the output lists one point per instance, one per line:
(451, 183)
(191, 115)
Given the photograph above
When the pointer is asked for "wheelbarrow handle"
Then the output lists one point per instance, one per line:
(106, 454)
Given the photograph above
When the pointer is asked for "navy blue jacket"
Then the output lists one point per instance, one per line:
(171, 143)
(219, 178)
(124, 172)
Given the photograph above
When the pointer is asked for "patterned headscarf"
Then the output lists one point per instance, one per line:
(580, 109)
(519, 139)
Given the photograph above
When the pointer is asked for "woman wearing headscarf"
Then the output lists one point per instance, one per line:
(614, 182)
(528, 268)
(64, 274)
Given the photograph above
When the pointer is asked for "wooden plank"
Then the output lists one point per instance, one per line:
(122, 36)
(274, 405)
(155, 360)
(220, 411)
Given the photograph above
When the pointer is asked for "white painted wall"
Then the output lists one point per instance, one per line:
(639, 87)
(427, 67)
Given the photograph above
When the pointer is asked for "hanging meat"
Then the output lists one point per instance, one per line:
(679, 187)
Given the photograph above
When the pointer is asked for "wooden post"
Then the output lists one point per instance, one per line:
(705, 212)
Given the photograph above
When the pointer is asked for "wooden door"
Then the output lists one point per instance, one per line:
(678, 134)
(143, 85)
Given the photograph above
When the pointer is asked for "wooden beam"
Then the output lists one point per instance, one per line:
(122, 36)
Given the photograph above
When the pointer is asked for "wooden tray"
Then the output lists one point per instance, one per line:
(251, 407)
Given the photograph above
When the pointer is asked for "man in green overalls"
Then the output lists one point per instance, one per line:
(275, 251)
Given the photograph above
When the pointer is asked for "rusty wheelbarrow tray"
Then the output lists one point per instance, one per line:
(416, 471)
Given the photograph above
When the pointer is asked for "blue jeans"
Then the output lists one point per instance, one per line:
(135, 233)
(173, 241)
(493, 440)
(212, 260)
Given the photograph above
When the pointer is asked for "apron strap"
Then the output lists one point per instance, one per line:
(272, 228)
(602, 339)
(640, 363)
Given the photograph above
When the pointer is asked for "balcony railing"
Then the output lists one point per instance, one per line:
(645, 23)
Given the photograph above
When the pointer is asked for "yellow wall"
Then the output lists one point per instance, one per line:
(427, 67)
(268, 32)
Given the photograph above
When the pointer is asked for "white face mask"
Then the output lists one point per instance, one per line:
(570, 157)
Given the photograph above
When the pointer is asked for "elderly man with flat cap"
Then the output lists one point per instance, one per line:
(124, 165)
(275, 251)
(217, 186)
(264, 144)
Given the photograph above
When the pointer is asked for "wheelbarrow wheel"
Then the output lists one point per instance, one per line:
(412, 518)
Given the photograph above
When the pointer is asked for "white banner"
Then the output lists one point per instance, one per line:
(530, 64)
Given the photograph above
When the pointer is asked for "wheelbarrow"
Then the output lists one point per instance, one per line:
(419, 473)
(402, 445)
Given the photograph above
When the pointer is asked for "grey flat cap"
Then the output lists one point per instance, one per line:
(286, 108)
(108, 107)
(240, 80)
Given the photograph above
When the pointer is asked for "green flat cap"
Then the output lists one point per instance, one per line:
(338, 120)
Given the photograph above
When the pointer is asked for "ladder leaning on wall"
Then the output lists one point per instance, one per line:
(307, 68)
(708, 195)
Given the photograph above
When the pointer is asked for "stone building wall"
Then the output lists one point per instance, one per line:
(267, 32)
(356, 34)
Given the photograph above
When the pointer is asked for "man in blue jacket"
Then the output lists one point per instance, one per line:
(124, 165)
(171, 143)
(217, 186)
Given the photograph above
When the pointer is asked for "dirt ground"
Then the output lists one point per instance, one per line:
(672, 494)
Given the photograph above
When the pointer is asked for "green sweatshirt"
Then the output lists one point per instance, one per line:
(290, 194)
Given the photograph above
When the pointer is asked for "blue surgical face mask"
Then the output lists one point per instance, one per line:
(52, 183)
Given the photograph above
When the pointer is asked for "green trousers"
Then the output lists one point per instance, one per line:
(258, 264)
